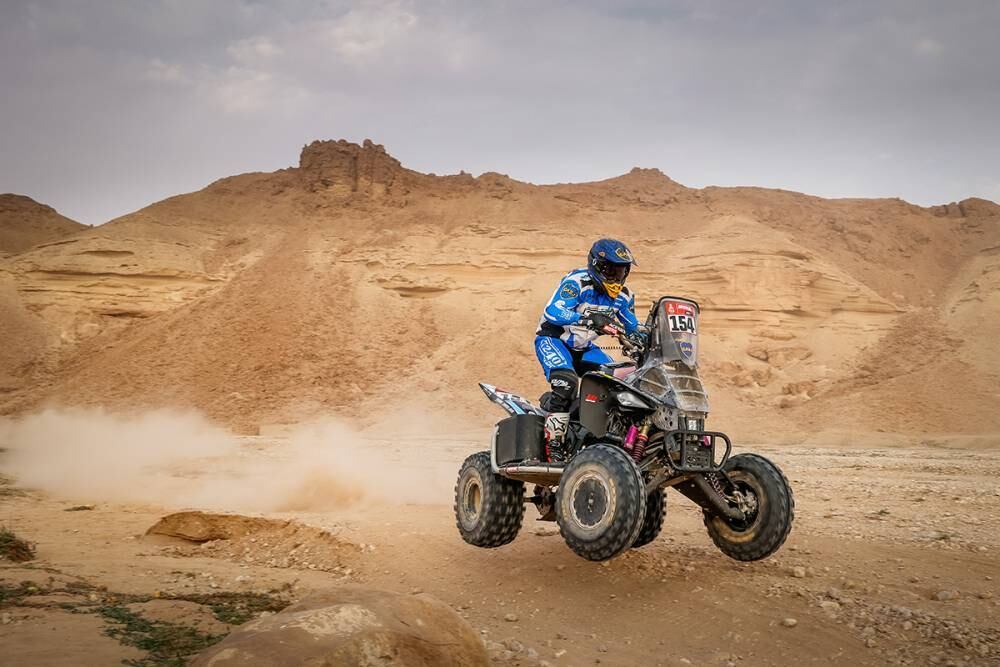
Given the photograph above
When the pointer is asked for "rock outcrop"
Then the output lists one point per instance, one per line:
(346, 168)
(353, 626)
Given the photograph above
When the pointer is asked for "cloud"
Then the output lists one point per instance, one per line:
(777, 93)
(162, 72)
(928, 47)
(362, 33)
(249, 91)
(253, 49)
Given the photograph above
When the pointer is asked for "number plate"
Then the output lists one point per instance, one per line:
(680, 317)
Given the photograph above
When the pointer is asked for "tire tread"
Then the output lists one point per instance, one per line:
(622, 534)
(652, 523)
(502, 509)
(775, 532)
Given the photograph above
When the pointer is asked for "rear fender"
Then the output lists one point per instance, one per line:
(512, 403)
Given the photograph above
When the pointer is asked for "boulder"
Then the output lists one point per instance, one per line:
(353, 626)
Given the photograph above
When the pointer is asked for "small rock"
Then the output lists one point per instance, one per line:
(560, 653)
(510, 618)
(871, 643)
(5, 618)
(789, 622)
(944, 596)
(907, 625)
(602, 648)
(830, 606)
(799, 572)
(514, 645)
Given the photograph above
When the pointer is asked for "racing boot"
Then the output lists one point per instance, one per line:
(556, 425)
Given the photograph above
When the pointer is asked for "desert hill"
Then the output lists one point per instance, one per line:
(25, 223)
(351, 284)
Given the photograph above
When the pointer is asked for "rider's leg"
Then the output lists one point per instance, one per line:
(592, 359)
(557, 362)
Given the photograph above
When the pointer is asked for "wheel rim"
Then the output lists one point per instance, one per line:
(749, 520)
(591, 501)
(745, 530)
(472, 499)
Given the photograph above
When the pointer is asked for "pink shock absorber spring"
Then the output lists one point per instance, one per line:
(639, 449)
(629, 442)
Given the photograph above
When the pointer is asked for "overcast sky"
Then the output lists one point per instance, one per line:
(109, 106)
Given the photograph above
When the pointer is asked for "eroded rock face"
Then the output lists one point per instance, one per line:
(353, 626)
(25, 223)
(346, 168)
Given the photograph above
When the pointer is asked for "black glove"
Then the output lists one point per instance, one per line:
(596, 321)
(639, 339)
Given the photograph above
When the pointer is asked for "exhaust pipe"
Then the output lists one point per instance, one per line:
(546, 474)
(544, 469)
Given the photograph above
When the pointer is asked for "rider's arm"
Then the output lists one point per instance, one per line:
(560, 309)
(627, 315)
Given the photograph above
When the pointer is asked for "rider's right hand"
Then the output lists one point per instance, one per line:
(596, 322)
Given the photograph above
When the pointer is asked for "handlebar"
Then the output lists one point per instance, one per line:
(629, 346)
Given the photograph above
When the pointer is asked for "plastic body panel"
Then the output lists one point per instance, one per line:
(520, 438)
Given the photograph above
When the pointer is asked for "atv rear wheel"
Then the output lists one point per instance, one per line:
(652, 523)
(488, 508)
(601, 502)
(773, 508)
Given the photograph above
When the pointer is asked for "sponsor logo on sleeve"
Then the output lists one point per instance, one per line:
(569, 291)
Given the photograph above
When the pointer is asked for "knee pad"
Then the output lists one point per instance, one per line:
(564, 384)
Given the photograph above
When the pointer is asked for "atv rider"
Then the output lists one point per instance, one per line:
(586, 301)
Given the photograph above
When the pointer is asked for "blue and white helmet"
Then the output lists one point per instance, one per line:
(609, 264)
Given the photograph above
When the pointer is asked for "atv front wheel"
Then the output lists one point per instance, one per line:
(771, 508)
(488, 508)
(601, 502)
(652, 523)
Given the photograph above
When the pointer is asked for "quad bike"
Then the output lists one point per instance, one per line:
(636, 429)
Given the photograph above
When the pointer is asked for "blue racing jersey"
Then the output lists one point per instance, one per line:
(574, 299)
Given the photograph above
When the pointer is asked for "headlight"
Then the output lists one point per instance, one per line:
(629, 400)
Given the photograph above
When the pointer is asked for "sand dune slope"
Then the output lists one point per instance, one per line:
(350, 281)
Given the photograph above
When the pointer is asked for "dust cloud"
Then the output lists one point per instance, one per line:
(180, 459)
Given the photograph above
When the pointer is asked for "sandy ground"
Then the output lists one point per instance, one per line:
(892, 559)
(321, 309)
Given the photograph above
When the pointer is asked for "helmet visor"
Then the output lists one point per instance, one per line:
(610, 271)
